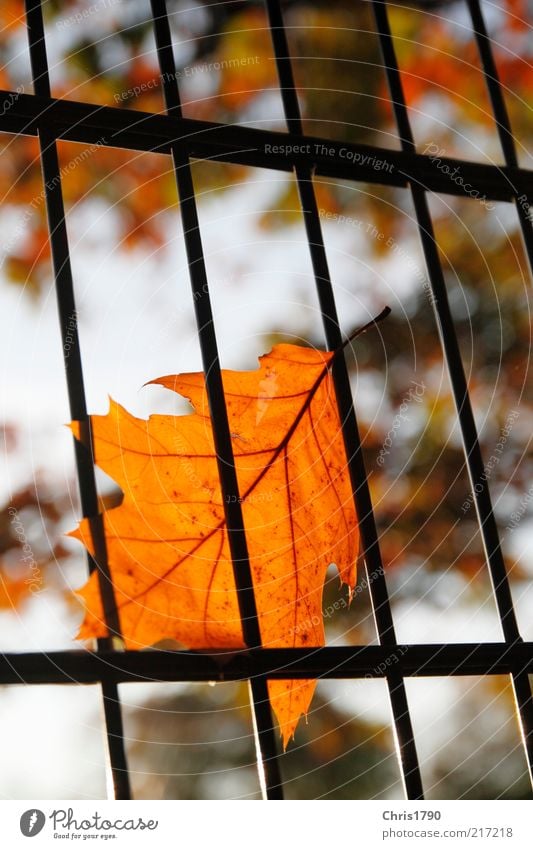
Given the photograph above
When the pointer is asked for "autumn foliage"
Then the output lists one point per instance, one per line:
(168, 542)
(432, 59)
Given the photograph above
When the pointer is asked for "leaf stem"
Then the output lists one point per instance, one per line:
(360, 330)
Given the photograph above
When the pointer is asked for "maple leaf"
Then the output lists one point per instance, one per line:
(167, 542)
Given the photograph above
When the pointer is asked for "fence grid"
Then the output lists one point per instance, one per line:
(184, 139)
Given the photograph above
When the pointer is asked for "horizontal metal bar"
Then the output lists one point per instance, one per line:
(232, 143)
(424, 660)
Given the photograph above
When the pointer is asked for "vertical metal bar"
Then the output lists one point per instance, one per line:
(503, 125)
(522, 687)
(76, 392)
(450, 345)
(266, 741)
(407, 753)
(501, 116)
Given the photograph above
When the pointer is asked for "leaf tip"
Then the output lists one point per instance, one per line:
(75, 429)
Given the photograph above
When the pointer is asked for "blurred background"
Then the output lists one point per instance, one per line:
(136, 322)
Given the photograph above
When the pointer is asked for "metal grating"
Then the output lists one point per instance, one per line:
(181, 138)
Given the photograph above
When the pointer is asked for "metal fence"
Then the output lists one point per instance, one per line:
(183, 139)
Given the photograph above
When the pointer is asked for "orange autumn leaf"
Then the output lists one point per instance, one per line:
(12, 592)
(167, 541)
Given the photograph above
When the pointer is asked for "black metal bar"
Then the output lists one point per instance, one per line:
(503, 123)
(76, 392)
(431, 660)
(143, 131)
(268, 766)
(52, 119)
(266, 741)
(521, 684)
(450, 345)
(407, 753)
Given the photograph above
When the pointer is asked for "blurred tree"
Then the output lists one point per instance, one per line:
(33, 551)
(199, 744)
(422, 496)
